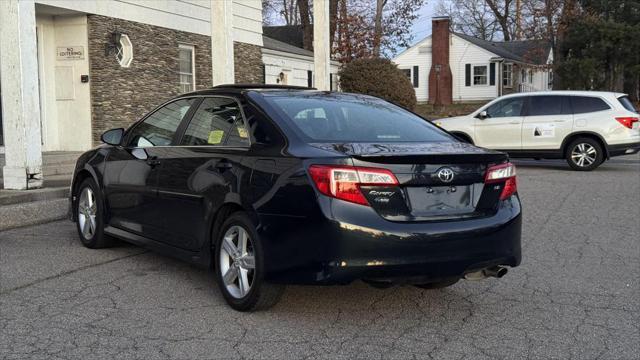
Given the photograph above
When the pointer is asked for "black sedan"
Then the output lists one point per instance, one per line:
(282, 185)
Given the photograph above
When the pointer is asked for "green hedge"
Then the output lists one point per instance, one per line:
(378, 77)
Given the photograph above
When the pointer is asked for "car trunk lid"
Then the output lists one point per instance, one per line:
(436, 181)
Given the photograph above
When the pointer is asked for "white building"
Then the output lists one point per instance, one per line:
(449, 67)
(287, 64)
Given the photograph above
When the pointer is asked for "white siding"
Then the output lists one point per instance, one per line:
(463, 52)
(184, 15)
(294, 66)
(414, 56)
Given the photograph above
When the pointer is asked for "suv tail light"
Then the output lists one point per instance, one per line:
(627, 121)
(503, 172)
(343, 182)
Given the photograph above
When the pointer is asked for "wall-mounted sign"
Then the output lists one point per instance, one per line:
(70, 53)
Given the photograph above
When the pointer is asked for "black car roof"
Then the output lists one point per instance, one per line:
(241, 88)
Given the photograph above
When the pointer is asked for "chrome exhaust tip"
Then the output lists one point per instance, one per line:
(494, 271)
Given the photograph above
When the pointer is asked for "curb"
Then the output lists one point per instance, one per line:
(33, 213)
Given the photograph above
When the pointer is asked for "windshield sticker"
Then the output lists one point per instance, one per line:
(242, 132)
(215, 137)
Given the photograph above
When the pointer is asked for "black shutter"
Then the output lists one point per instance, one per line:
(416, 77)
(264, 74)
(309, 78)
(467, 75)
(330, 82)
(492, 74)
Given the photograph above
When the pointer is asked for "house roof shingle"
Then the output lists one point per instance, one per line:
(288, 34)
(534, 52)
(273, 44)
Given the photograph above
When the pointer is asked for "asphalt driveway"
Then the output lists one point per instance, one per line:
(576, 294)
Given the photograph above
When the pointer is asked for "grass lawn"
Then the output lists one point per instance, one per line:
(432, 112)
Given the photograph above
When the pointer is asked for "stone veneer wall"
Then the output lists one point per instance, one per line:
(248, 64)
(120, 96)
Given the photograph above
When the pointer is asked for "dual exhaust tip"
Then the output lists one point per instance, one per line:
(494, 271)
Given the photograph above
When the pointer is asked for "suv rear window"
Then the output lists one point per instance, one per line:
(624, 100)
(587, 104)
(354, 118)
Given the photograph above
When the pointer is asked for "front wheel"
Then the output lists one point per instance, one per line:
(90, 218)
(240, 270)
(584, 154)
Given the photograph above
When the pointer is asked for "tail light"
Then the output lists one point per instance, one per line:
(343, 182)
(503, 172)
(627, 121)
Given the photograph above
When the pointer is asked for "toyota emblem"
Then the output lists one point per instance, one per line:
(445, 175)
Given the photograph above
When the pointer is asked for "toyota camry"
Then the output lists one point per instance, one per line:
(271, 185)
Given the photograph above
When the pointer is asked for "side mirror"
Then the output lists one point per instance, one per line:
(483, 115)
(113, 136)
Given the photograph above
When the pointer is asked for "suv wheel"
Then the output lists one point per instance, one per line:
(90, 219)
(584, 154)
(239, 257)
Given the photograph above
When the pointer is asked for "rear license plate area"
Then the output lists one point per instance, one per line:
(441, 200)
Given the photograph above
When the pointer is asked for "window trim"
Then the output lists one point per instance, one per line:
(182, 129)
(192, 48)
(473, 75)
(510, 84)
(127, 135)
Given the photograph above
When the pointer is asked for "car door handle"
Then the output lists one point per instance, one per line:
(223, 165)
(153, 161)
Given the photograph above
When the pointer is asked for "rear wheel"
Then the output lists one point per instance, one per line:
(438, 284)
(90, 219)
(240, 266)
(584, 154)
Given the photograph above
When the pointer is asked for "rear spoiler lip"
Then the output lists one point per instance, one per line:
(437, 158)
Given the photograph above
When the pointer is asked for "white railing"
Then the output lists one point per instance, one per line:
(527, 88)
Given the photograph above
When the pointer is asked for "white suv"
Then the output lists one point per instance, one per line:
(584, 127)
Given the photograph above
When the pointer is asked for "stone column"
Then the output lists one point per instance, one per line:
(20, 95)
(321, 45)
(222, 42)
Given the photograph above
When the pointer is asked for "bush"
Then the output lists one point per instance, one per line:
(378, 77)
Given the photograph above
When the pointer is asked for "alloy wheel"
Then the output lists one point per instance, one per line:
(584, 154)
(237, 262)
(87, 211)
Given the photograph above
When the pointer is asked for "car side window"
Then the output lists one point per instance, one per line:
(587, 104)
(217, 122)
(159, 128)
(506, 108)
(548, 105)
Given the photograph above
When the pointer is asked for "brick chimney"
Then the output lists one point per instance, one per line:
(440, 83)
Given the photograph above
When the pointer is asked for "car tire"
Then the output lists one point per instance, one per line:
(438, 284)
(240, 266)
(584, 154)
(90, 216)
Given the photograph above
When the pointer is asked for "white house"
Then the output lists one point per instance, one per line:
(450, 67)
(287, 64)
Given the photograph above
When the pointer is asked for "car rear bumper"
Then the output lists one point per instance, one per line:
(623, 149)
(341, 251)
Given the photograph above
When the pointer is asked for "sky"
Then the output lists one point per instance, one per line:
(422, 26)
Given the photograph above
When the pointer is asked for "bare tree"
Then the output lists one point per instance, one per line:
(307, 27)
(470, 17)
(502, 12)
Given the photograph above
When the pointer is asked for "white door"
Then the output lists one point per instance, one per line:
(548, 121)
(502, 129)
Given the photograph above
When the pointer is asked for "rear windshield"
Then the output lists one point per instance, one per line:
(354, 118)
(624, 100)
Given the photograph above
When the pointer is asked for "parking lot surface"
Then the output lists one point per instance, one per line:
(575, 296)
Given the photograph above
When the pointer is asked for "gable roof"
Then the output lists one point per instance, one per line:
(535, 52)
(273, 44)
(288, 34)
